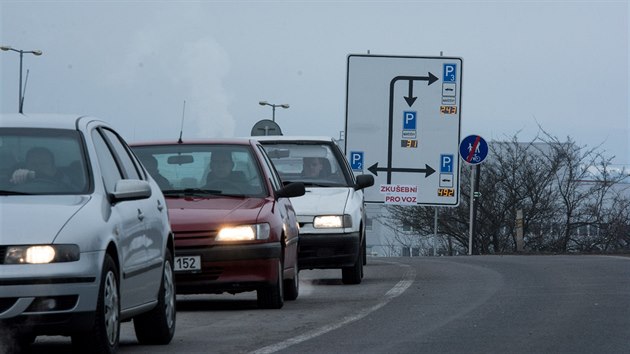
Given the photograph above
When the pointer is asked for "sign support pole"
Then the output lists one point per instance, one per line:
(435, 227)
(472, 219)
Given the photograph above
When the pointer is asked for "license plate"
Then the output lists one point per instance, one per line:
(188, 264)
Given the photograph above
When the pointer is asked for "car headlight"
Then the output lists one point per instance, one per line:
(332, 221)
(41, 254)
(244, 233)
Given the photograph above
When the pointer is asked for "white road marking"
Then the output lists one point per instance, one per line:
(397, 290)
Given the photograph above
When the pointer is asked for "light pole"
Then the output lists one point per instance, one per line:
(273, 106)
(34, 52)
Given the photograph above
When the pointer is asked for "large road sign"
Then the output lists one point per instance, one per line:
(403, 115)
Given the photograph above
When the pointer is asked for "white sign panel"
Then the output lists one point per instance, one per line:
(403, 116)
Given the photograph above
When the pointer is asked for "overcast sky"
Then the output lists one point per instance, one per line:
(562, 65)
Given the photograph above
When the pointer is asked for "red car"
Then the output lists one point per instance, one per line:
(235, 227)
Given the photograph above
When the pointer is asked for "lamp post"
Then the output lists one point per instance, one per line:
(273, 106)
(34, 52)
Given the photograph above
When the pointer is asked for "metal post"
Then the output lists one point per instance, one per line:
(21, 52)
(273, 113)
(475, 200)
(435, 227)
(470, 224)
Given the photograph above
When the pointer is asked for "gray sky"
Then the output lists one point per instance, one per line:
(562, 65)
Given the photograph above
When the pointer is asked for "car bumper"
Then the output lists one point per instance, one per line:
(50, 299)
(229, 268)
(323, 251)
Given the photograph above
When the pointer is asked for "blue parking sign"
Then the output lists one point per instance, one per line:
(450, 73)
(356, 160)
(409, 120)
(446, 163)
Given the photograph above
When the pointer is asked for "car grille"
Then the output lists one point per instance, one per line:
(3, 252)
(53, 303)
(196, 234)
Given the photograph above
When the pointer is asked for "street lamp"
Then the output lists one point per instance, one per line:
(273, 106)
(34, 52)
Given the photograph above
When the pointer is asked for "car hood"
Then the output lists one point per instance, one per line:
(322, 201)
(36, 219)
(187, 214)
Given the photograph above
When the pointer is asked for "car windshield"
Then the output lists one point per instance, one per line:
(203, 169)
(42, 161)
(315, 164)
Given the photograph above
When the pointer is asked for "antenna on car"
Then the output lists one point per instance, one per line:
(23, 93)
(181, 129)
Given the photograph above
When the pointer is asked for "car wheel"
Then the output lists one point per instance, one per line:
(292, 286)
(271, 296)
(158, 325)
(103, 337)
(353, 274)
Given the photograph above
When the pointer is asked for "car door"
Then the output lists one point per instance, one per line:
(129, 218)
(153, 208)
(285, 208)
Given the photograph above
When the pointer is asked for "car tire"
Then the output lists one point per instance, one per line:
(158, 325)
(353, 274)
(271, 296)
(292, 286)
(364, 250)
(104, 335)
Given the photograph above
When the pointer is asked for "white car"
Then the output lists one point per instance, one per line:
(332, 212)
(85, 240)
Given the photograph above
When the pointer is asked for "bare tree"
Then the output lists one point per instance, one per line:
(571, 201)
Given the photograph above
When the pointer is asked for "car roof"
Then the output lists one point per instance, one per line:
(40, 120)
(213, 141)
(264, 138)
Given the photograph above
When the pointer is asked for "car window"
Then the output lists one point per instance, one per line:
(109, 168)
(129, 167)
(184, 167)
(43, 161)
(268, 165)
(312, 163)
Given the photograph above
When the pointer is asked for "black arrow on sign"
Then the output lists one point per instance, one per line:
(427, 170)
(410, 99)
(430, 79)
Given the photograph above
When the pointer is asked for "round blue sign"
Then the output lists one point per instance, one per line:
(473, 149)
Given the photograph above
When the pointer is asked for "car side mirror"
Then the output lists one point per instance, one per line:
(364, 181)
(130, 189)
(293, 189)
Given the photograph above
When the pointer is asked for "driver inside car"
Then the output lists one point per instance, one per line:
(39, 165)
(221, 175)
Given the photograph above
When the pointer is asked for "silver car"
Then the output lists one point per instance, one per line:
(85, 240)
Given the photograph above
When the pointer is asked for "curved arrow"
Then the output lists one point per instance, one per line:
(427, 170)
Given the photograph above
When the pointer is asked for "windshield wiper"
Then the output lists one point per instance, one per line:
(316, 184)
(190, 192)
(198, 192)
(6, 192)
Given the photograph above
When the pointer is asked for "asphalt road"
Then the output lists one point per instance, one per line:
(466, 304)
